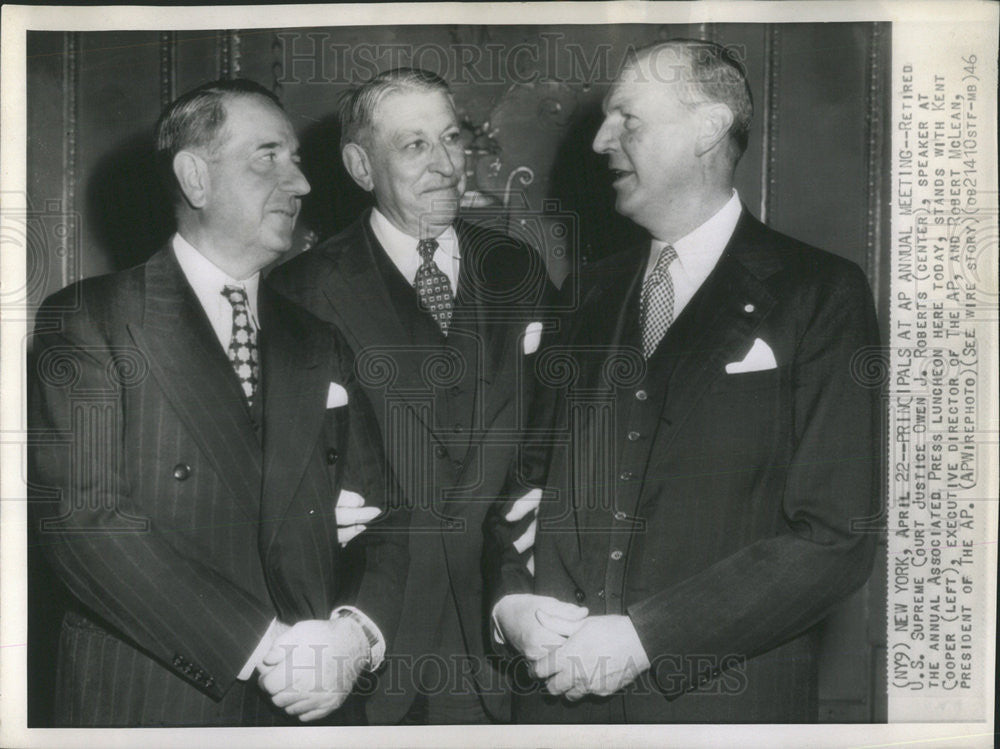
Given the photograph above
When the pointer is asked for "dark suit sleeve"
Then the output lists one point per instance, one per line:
(505, 569)
(150, 585)
(772, 590)
(379, 593)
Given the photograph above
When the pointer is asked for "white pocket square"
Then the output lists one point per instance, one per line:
(532, 337)
(758, 358)
(336, 396)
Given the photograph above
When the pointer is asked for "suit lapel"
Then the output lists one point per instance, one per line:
(601, 333)
(197, 379)
(295, 389)
(719, 323)
(360, 299)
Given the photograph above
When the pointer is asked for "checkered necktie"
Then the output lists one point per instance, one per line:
(656, 303)
(243, 342)
(433, 286)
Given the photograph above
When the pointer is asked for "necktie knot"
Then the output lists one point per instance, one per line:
(662, 266)
(236, 295)
(426, 248)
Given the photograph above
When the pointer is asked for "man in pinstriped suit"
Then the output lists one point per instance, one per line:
(196, 430)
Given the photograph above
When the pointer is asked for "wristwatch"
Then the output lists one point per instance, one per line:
(376, 645)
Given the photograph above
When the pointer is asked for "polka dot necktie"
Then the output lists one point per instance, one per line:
(433, 286)
(656, 303)
(243, 342)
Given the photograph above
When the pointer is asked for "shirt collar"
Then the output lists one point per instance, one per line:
(207, 279)
(402, 248)
(700, 250)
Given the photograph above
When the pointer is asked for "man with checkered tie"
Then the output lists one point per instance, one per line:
(439, 308)
(199, 535)
(708, 522)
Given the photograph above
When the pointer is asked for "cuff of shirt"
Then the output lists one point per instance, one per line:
(497, 634)
(376, 642)
(262, 649)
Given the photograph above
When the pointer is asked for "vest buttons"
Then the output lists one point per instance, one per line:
(331, 456)
(440, 451)
(633, 436)
(626, 475)
(620, 515)
(641, 395)
(182, 471)
(617, 555)
(580, 596)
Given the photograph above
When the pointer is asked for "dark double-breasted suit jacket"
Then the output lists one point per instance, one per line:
(451, 411)
(181, 520)
(719, 511)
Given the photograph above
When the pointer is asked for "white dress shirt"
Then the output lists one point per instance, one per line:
(697, 252)
(207, 280)
(402, 250)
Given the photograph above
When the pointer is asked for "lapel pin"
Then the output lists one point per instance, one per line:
(748, 308)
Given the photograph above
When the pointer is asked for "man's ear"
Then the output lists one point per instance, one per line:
(191, 171)
(358, 166)
(714, 123)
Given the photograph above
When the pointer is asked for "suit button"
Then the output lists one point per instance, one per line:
(620, 515)
(580, 596)
(600, 593)
(617, 555)
(626, 475)
(332, 456)
(458, 428)
(440, 452)
(748, 308)
(182, 471)
(641, 395)
(633, 436)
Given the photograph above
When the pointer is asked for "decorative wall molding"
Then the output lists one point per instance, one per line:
(229, 54)
(70, 116)
(168, 67)
(277, 65)
(769, 120)
(875, 152)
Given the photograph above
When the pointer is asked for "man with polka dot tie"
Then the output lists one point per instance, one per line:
(200, 534)
(435, 309)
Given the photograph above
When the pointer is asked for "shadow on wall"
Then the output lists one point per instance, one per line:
(334, 201)
(127, 209)
(581, 182)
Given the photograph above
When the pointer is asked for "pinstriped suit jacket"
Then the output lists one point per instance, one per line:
(181, 527)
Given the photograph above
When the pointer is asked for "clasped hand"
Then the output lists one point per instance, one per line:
(574, 653)
(312, 666)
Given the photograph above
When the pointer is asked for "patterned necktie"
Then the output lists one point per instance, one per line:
(433, 286)
(656, 303)
(243, 342)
